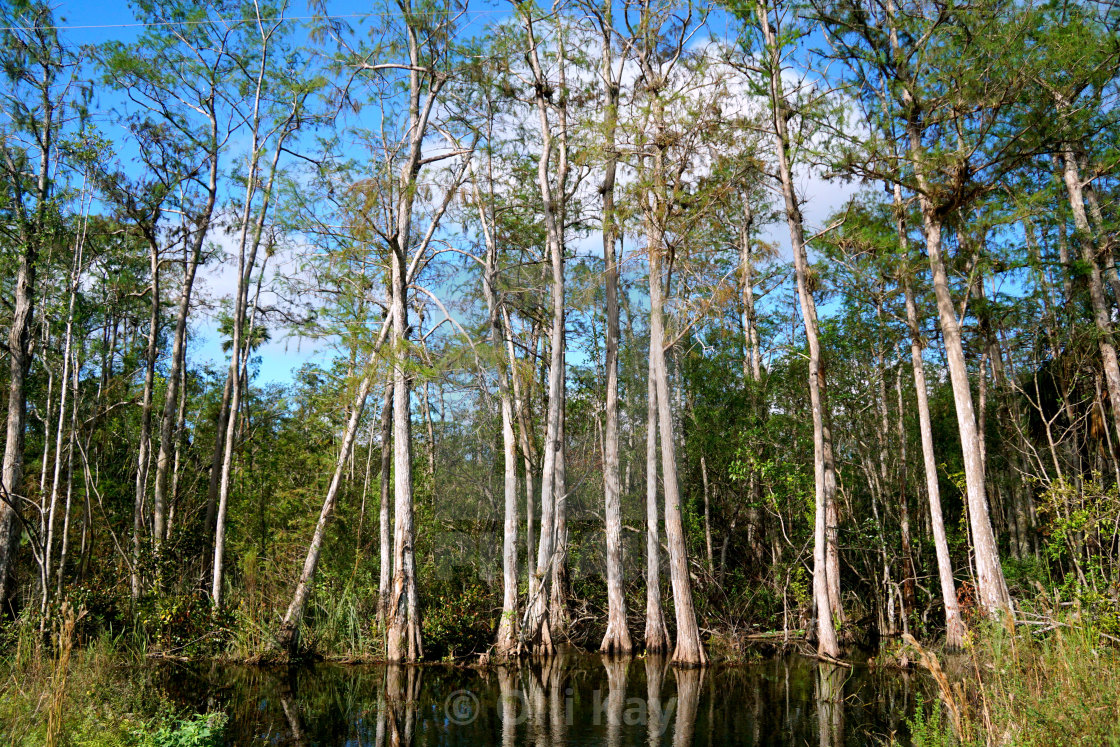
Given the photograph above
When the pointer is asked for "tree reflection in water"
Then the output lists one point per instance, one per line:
(565, 700)
(830, 703)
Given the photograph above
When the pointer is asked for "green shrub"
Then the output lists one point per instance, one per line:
(929, 726)
(458, 623)
(201, 730)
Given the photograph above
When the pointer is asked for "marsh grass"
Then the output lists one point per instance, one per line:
(1056, 686)
(97, 695)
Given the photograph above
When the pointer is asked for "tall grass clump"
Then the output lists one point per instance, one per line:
(98, 692)
(1056, 683)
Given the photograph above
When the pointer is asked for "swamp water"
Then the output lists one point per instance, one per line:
(577, 699)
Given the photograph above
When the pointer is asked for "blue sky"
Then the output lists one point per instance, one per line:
(95, 23)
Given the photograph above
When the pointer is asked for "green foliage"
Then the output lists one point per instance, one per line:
(459, 622)
(184, 624)
(200, 730)
(930, 726)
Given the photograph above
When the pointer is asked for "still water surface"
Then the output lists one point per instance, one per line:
(577, 699)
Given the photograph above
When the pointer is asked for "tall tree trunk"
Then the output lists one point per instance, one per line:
(385, 536)
(521, 409)
(752, 361)
(826, 581)
(616, 639)
(19, 361)
(168, 419)
(538, 630)
(752, 372)
(954, 626)
(506, 643)
(992, 587)
(142, 457)
(251, 234)
(656, 635)
(180, 436)
(706, 489)
(1101, 311)
(69, 475)
(909, 574)
(64, 387)
(990, 581)
(215, 481)
(403, 642)
(688, 651)
(507, 629)
(558, 589)
(29, 212)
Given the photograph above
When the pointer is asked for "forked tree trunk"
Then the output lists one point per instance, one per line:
(169, 419)
(403, 638)
(954, 625)
(252, 229)
(992, 587)
(178, 356)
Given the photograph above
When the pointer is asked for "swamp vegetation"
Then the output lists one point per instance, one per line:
(760, 353)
